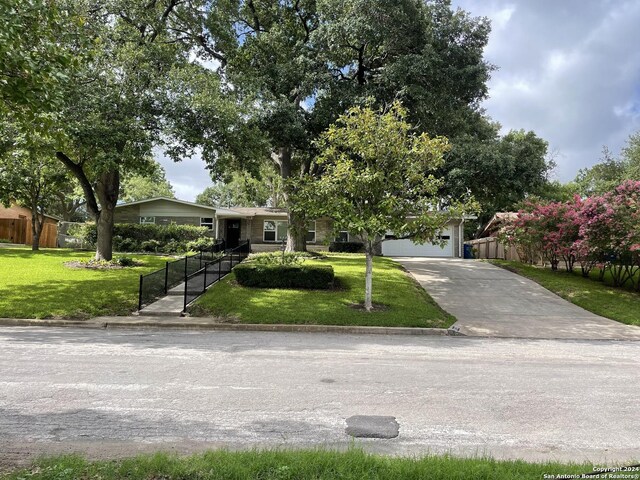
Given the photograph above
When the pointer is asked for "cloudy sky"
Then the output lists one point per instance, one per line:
(567, 69)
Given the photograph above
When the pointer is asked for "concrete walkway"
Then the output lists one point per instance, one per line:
(493, 302)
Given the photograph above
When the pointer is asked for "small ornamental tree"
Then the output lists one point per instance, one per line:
(610, 227)
(30, 176)
(547, 229)
(377, 178)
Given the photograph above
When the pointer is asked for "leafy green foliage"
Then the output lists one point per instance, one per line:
(29, 175)
(137, 88)
(34, 58)
(610, 172)
(133, 237)
(603, 177)
(378, 177)
(287, 275)
(149, 185)
(278, 258)
(201, 244)
(302, 64)
(245, 190)
(499, 172)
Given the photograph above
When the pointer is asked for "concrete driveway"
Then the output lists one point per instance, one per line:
(490, 301)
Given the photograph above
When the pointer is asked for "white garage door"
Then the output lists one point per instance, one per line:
(406, 248)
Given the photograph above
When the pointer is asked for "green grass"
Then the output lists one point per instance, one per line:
(614, 303)
(38, 285)
(408, 305)
(289, 465)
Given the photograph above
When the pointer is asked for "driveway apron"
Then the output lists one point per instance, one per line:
(493, 302)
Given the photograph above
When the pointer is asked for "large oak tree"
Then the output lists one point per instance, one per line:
(302, 63)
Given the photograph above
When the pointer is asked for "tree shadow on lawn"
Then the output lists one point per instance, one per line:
(72, 298)
(45, 252)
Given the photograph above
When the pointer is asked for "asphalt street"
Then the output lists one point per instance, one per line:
(113, 393)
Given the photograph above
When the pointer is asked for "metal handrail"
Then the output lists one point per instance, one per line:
(246, 246)
(217, 247)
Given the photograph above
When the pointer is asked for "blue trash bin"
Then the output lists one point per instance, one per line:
(468, 251)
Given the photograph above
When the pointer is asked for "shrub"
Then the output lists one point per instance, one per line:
(252, 274)
(201, 244)
(127, 245)
(150, 245)
(125, 261)
(132, 237)
(174, 246)
(278, 258)
(346, 247)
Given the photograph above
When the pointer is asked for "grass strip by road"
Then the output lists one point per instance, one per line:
(406, 304)
(288, 465)
(39, 285)
(614, 303)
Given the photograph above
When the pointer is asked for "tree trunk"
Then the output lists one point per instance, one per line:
(368, 281)
(296, 234)
(36, 230)
(104, 243)
(36, 224)
(107, 189)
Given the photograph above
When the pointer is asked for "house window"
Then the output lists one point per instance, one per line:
(147, 220)
(311, 232)
(343, 236)
(274, 230)
(206, 222)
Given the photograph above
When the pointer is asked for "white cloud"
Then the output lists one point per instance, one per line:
(568, 70)
(189, 177)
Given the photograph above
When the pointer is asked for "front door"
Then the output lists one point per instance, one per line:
(233, 233)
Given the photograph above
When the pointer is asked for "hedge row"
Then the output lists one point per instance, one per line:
(346, 247)
(284, 276)
(133, 237)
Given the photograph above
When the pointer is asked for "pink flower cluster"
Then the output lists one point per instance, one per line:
(597, 231)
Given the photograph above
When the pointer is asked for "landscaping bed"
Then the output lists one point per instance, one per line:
(353, 464)
(39, 285)
(406, 303)
(615, 303)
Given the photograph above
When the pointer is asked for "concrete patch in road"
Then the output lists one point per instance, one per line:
(372, 426)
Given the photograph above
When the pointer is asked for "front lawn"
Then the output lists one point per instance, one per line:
(614, 303)
(299, 465)
(407, 304)
(38, 285)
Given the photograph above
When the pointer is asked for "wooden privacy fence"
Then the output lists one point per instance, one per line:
(490, 247)
(18, 230)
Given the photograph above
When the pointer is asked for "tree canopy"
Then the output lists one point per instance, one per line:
(303, 63)
(137, 88)
(150, 185)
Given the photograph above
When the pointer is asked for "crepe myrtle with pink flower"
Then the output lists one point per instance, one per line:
(595, 232)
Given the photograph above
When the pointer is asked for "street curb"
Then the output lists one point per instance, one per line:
(34, 322)
(233, 327)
